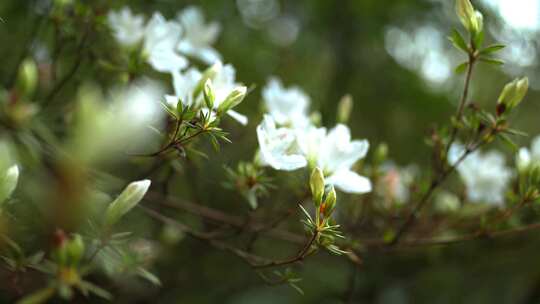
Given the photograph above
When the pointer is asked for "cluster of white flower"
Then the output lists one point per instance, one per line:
(166, 43)
(288, 140)
(485, 175)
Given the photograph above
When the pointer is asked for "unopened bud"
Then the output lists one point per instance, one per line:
(74, 250)
(381, 153)
(130, 197)
(523, 159)
(344, 110)
(234, 99)
(210, 73)
(330, 202)
(316, 183)
(27, 78)
(471, 19)
(209, 96)
(513, 93)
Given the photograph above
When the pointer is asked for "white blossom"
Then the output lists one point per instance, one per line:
(184, 84)
(128, 28)
(335, 154)
(278, 146)
(198, 35)
(160, 38)
(286, 105)
(526, 157)
(485, 175)
(224, 83)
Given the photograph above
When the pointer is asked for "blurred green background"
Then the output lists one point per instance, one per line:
(393, 57)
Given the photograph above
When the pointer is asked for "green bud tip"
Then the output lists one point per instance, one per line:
(513, 93)
(27, 78)
(130, 197)
(330, 202)
(345, 107)
(209, 96)
(316, 183)
(233, 99)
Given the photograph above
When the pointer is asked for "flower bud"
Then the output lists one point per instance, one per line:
(209, 96)
(234, 99)
(8, 183)
(210, 73)
(74, 250)
(130, 197)
(27, 78)
(344, 110)
(316, 183)
(330, 202)
(513, 93)
(381, 153)
(471, 19)
(523, 159)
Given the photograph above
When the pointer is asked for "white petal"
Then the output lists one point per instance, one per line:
(350, 182)
(242, 119)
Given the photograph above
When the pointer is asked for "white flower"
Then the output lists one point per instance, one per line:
(128, 29)
(485, 175)
(335, 154)
(286, 105)
(224, 83)
(184, 84)
(278, 146)
(526, 157)
(160, 39)
(198, 36)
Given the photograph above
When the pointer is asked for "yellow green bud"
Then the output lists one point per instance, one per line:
(344, 110)
(233, 99)
(28, 76)
(513, 93)
(316, 183)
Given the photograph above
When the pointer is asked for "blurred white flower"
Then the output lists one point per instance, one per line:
(288, 106)
(184, 84)
(198, 35)
(106, 129)
(128, 28)
(160, 39)
(278, 146)
(526, 157)
(396, 182)
(485, 175)
(335, 154)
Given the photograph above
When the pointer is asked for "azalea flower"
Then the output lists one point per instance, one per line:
(396, 182)
(128, 29)
(184, 84)
(286, 105)
(278, 146)
(198, 36)
(224, 83)
(526, 157)
(160, 38)
(485, 175)
(335, 154)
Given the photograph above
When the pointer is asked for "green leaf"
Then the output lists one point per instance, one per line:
(492, 49)
(461, 68)
(37, 297)
(458, 41)
(491, 61)
(147, 275)
(509, 142)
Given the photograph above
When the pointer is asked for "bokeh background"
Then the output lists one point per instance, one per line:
(393, 57)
